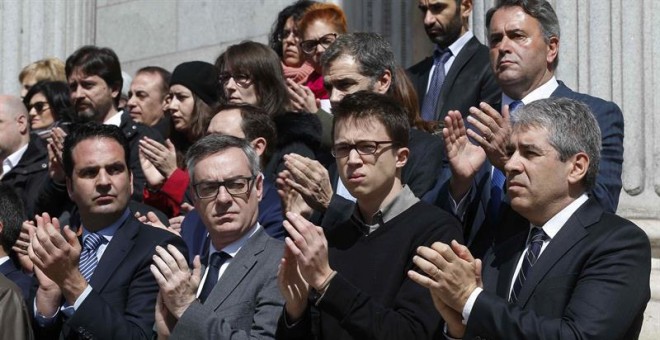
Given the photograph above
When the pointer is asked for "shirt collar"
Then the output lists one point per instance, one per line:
(458, 45)
(115, 119)
(401, 202)
(13, 159)
(3, 260)
(541, 92)
(233, 248)
(552, 227)
(109, 231)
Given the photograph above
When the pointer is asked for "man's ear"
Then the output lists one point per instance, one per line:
(579, 167)
(259, 144)
(69, 186)
(553, 50)
(384, 82)
(259, 186)
(402, 157)
(116, 91)
(23, 124)
(466, 9)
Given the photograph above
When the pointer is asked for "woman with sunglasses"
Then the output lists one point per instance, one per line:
(49, 105)
(251, 73)
(285, 41)
(192, 101)
(320, 26)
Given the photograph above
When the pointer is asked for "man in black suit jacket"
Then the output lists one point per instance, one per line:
(104, 291)
(12, 215)
(561, 267)
(469, 79)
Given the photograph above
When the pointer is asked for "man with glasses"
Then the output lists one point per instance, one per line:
(235, 295)
(354, 273)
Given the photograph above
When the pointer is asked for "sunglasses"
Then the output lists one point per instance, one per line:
(39, 107)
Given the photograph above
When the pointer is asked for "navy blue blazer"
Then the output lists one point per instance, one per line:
(590, 282)
(470, 80)
(122, 302)
(16, 275)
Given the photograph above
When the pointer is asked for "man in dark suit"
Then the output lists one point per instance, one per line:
(468, 78)
(568, 269)
(102, 289)
(12, 215)
(236, 295)
(524, 52)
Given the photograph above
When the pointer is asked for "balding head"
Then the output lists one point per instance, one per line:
(14, 125)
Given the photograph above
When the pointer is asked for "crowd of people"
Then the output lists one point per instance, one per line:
(312, 188)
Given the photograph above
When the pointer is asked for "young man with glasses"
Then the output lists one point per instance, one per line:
(235, 295)
(354, 273)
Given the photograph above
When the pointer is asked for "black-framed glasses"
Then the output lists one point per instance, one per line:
(309, 46)
(241, 79)
(235, 187)
(39, 107)
(367, 147)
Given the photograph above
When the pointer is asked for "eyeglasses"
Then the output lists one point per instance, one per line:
(366, 147)
(39, 107)
(309, 46)
(235, 187)
(286, 34)
(242, 80)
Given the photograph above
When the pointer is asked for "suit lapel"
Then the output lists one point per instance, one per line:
(568, 236)
(114, 254)
(239, 267)
(506, 255)
(459, 63)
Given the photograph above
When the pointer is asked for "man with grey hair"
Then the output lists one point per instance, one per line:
(236, 295)
(23, 155)
(562, 266)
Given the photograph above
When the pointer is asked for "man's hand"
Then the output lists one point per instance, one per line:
(163, 157)
(465, 158)
(21, 246)
(492, 131)
(152, 219)
(293, 287)
(55, 148)
(448, 302)
(311, 179)
(164, 321)
(308, 244)
(301, 98)
(175, 223)
(154, 178)
(291, 199)
(57, 254)
(178, 285)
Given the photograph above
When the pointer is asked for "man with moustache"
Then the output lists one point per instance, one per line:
(458, 75)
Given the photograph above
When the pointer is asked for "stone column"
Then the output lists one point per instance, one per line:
(32, 30)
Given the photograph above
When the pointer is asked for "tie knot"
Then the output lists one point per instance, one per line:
(515, 105)
(441, 56)
(92, 241)
(537, 235)
(218, 258)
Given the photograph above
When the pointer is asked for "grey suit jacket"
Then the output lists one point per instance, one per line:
(246, 302)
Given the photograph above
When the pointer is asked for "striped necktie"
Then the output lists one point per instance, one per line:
(537, 236)
(88, 260)
(429, 106)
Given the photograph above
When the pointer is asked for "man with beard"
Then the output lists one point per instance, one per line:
(457, 75)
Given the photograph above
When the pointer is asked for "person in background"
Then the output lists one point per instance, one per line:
(285, 41)
(49, 105)
(48, 69)
(148, 96)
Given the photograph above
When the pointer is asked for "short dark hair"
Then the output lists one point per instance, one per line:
(97, 61)
(215, 143)
(295, 11)
(371, 51)
(58, 97)
(164, 74)
(256, 123)
(540, 10)
(91, 130)
(12, 215)
(571, 127)
(264, 68)
(363, 105)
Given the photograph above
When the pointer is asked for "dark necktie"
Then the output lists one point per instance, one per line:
(217, 259)
(429, 106)
(88, 260)
(498, 178)
(536, 238)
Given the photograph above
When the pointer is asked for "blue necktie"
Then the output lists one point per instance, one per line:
(88, 260)
(429, 106)
(498, 178)
(217, 259)
(537, 236)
